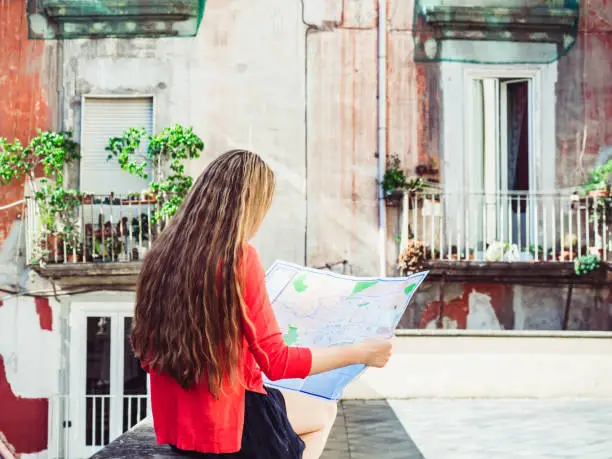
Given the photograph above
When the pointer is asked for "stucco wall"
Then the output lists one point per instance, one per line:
(256, 76)
(240, 83)
(490, 365)
(584, 94)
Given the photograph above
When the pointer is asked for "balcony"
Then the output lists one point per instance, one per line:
(93, 235)
(505, 234)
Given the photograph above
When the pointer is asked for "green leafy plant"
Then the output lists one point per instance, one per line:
(598, 187)
(599, 179)
(394, 178)
(47, 153)
(164, 157)
(586, 264)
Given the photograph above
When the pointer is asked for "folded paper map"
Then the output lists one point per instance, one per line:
(317, 308)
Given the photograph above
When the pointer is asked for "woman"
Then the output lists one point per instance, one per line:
(205, 330)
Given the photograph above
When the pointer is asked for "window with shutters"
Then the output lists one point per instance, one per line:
(103, 118)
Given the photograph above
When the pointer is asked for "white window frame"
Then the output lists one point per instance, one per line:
(78, 367)
(457, 88)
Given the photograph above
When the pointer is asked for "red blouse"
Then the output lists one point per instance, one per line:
(193, 419)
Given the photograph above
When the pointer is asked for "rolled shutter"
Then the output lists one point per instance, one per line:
(102, 119)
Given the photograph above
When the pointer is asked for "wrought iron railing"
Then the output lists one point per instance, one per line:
(100, 229)
(510, 226)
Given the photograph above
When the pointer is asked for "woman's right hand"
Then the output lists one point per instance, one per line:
(376, 353)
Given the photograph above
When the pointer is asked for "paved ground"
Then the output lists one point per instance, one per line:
(442, 429)
(473, 429)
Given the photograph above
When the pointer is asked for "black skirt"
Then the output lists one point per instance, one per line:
(267, 433)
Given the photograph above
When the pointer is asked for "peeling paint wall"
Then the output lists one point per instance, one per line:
(27, 80)
(28, 341)
(478, 306)
(29, 364)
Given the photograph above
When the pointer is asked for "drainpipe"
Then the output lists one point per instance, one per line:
(382, 132)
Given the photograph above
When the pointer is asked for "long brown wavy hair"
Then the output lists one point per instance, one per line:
(189, 305)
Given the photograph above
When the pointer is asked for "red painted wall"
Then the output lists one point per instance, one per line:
(24, 78)
(24, 102)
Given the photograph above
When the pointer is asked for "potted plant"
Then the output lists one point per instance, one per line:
(394, 180)
(586, 263)
(598, 185)
(412, 258)
(429, 171)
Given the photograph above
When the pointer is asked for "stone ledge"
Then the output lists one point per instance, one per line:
(363, 429)
(137, 442)
(544, 334)
(71, 276)
(540, 273)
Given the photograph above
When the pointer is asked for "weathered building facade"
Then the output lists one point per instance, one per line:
(319, 89)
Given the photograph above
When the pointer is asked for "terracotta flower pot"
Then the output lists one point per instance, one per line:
(599, 193)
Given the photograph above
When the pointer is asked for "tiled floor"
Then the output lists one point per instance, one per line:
(509, 429)
(473, 429)
(369, 430)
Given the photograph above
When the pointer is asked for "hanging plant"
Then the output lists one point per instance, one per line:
(165, 156)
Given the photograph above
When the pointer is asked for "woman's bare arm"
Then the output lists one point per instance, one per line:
(370, 353)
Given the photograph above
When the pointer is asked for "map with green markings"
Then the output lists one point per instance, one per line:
(316, 308)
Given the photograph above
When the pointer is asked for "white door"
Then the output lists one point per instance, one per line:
(501, 208)
(108, 389)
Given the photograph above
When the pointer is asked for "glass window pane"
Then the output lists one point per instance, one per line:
(97, 384)
(134, 383)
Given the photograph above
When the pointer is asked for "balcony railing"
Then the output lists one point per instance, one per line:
(97, 419)
(97, 229)
(508, 226)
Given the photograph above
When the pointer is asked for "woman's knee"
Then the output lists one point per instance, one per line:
(332, 412)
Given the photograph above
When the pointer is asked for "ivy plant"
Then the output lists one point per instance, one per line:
(165, 155)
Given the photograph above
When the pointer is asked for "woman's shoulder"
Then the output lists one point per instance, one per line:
(250, 253)
(251, 258)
